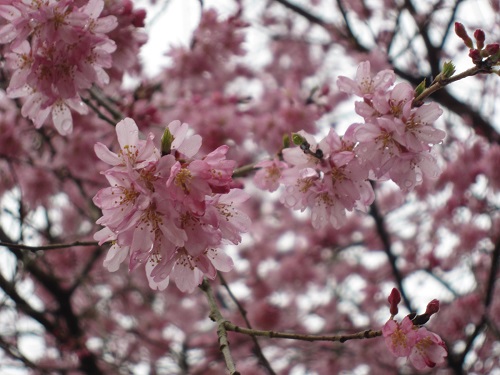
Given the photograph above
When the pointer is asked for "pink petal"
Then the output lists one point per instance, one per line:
(63, 122)
(127, 132)
(106, 155)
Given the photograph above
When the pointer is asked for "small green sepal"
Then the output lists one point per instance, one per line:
(420, 88)
(297, 139)
(448, 69)
(166, 142)
(286, 141)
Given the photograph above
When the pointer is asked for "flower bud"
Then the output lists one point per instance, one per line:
(462, 33)
(480, 37)
(475, 55)
(394, 299)
(432, 307)
(492, 49)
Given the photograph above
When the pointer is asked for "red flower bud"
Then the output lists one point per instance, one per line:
(480, 37)
(475, 55)
(394, 299)
(492, 49)
(462, 33)
(139, 18)
(432, 307)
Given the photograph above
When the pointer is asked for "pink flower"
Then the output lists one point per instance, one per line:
(400, 338)
(364, 85)
(58, 50)
(419, 132)
(409, 169)
(185, 144)
(187, 271)
(221, 170)
(395, 102)
(428, 351)
(269, 175)
(134, 153)
(230, 220)
(190, 185)
(170, 213)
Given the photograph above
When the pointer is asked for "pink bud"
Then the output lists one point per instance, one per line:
(462, 33)
(432, 307)
(394, 299)
(480, 37)
(139, 17)
(475, 55)
(492, 49)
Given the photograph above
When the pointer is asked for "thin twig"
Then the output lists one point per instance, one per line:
(244, 170)
(97, 95)
(366, 334)
(439, 83)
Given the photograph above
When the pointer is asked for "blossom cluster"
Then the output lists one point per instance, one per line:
(168, 210)
(332, 177)
(56, 49)
(409, 339)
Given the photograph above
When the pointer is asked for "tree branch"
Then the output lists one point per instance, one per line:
(367, 334)
(258, 350)
(384, 237)
(217, 317)
(48, 247)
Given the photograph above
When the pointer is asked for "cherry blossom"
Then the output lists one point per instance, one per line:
(365, 85)
(428, 351)
(170, 213)
(401, 337)
(106, 199)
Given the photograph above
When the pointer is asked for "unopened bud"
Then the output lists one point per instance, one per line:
(480, 37)
(139, 18)
(475, 55)
(492, 49)
(394, 299)
(462, 33)
(432, 307)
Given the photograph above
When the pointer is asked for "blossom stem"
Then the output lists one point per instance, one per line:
(244, 170)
